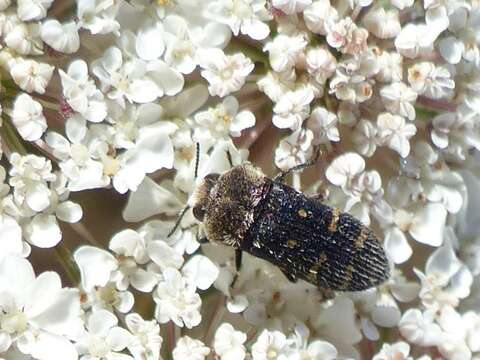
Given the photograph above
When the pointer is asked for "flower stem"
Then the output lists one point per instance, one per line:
(65, 258)
(11, 137)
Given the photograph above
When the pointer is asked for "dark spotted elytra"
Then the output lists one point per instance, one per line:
(306, 239)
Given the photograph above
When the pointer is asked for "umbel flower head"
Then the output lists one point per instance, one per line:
(113, 114)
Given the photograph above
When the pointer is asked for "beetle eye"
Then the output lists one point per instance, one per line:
(198, 212)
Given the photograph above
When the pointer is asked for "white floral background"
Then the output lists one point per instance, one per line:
(102, 102)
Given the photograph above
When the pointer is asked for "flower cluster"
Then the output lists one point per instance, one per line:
(131, 103)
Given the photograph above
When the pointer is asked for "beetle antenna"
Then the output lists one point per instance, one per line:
(229, 157)
(177, 223)
(197, 158)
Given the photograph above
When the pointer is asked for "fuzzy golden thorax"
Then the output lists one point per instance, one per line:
(225, 204)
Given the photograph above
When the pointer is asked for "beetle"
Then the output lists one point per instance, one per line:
(305, 238)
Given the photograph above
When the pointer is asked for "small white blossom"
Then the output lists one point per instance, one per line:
(383, 24)
(292, 109)
(103, 339)
(415, 39)
(270, 344)
(32, 9)
(398, 98)
(224, 119)
(190, 349)
(224, 73)
(284, 51)
(395, 133)
(397, 351)
(323, 123)
(294, 150)
(81, 93)
(290, 7)
(24, 38)
(61, 37)
(37, 313)
(228, 343)
(145, 342)
(430, 80)
(98, 16)
(347, 37)
(176, 300)
(365, 137)
(32, 76)
(319, 15)
(28, 118)
(242, 16)
(321, 64)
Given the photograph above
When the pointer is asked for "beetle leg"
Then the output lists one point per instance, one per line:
(290, 276)
(280, 177)
(238, 265)
(202, 240)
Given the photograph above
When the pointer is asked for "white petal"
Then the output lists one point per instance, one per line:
(16, 274)
(11, 232)
(61, 37)
(150, 199)
(397, 246)
(43, 231)
(95, 266)
(201, 271)
(41, 349)
(428, 224)
(144, 280)
(149, 43)
(118, 338)
(167, 79)
(143, 91)
(451, 49)
(37, 197)
(40, 292)
(100, 322)
(69, 211)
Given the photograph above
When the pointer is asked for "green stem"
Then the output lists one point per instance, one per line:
(65, 258)
(48, 104)
(11, 137)
(256, 55)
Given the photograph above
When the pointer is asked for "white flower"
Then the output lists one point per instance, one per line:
(445, 281)
(245, 16)
(128, 80)
(98, 16)
(224, 73)
(415, 39)
(190, 349)
(321, 64)
(292, 109)
(323, 123)
(275, 85)
(471, 321)
(145, 342)
(222, 120)
(383, 24)
(390, 67)
(464, 24)
(290, 7)
(345, 168)
(180, 47)
(61, 37)
(228, 343)
(81, 93)
(294, 150)
(347, 37)
(398, 98)
(318, 16)
(131, 251)
(397, 351)
(32, 9)
(430, 80)
(284, 51)
(365, 137)
(24, 39)
(200, 271)
(38, 315)
(103, 339)
(419, 328)
(28, 118)
(31, 75)
(270, 344)
(402, 4)
(176, 300)
(395, 133)
(29, 176)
